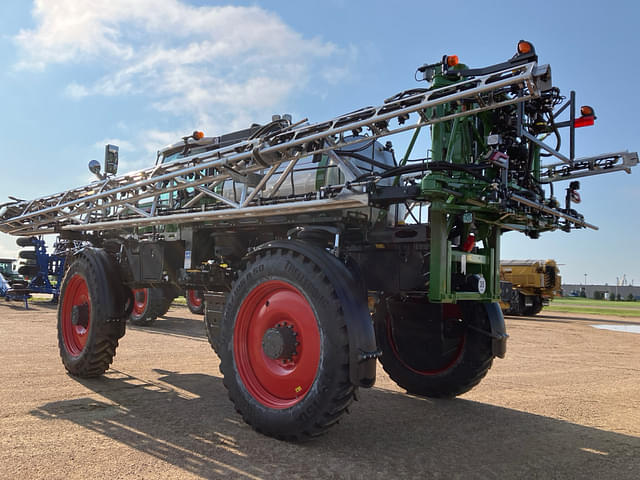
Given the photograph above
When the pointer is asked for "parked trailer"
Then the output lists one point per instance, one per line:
(294, 230)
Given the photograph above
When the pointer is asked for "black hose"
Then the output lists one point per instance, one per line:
(357, 156)
(359, 149)
(557, 134)
(271, 127)
(436, 166)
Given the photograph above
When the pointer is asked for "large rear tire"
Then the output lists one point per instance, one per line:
(91, 315)
(434, 350)
(284, 349)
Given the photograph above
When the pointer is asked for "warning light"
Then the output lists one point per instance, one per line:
(587, 110)
(198, 135)
(452, 60)
(525, 47)
(587, 118)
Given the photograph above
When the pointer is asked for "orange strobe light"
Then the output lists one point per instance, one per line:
(524, 47)
(452, 60)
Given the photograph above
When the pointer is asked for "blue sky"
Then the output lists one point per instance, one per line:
(75, 75)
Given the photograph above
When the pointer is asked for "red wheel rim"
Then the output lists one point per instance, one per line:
(276, 383)
(449, 310)
(194, 298)
(140, 297)
(76, 295)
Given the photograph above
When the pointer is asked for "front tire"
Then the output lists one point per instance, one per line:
(88, 326)
(284, 349)
(433, 350)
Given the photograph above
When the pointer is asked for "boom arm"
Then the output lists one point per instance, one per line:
(185, 190)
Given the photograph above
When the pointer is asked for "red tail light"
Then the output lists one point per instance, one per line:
(586, 121)
(587, 118)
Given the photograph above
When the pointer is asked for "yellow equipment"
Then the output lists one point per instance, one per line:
(528, 285)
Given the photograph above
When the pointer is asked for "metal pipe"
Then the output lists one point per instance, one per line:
(551, 211)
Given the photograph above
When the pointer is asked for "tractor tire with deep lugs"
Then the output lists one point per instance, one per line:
(91, 314)
(433, 350)
(284, 348)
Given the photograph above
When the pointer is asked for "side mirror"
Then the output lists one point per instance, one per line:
(110, 159)
(94, 167)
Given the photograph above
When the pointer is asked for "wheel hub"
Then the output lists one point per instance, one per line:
(80, 315)
(279, 342)
(278, 366)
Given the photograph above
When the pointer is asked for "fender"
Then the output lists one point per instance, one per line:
(363, 351)
(498, 329)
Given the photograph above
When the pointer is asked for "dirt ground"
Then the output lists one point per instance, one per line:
(562, 404)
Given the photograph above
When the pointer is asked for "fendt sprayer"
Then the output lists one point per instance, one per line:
(318, 251)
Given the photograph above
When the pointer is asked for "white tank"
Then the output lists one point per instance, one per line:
(312, 173)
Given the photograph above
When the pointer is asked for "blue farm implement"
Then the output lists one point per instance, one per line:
(42, 271)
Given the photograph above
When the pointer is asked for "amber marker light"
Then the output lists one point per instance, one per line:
(198, 135)
(587, 110)
(524, 47)
(452, 60)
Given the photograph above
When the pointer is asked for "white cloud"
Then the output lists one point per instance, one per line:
(123, 144)
(76, 91)
(154, 140)
(222, 62)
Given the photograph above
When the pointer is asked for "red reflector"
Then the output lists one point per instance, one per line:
(586, 121)
(469, 243)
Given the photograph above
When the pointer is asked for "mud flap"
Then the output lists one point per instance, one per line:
(498, 329)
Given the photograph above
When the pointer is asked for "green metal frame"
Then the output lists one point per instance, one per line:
(455, 195)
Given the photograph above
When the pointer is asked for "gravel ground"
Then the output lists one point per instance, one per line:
(562, 404)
